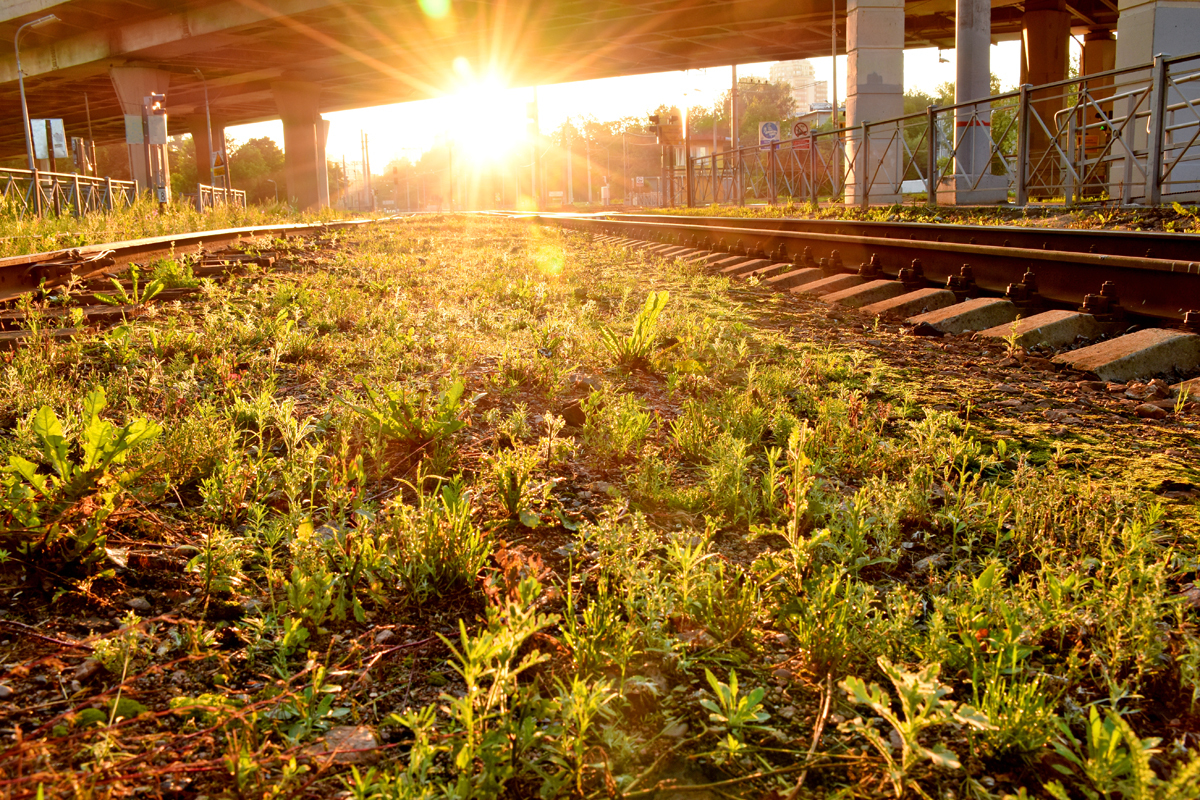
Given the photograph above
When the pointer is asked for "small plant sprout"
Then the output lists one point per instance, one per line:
(634, 350)
(923, 704)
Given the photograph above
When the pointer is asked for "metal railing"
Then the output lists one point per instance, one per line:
(1128, 135)
(33, 192)
(210, 196)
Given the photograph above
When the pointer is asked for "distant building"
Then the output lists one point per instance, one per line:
(806, 91)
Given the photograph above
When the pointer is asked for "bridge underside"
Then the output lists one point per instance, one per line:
(358, 53)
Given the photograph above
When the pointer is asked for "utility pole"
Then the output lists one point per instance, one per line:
(587, 143)
(569, 195)
(624, 170)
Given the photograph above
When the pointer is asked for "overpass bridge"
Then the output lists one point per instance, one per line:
(297, 59)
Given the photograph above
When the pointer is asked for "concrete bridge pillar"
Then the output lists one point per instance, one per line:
(973, 181)
(303, 149)
(1046, 32)
(132, 85)
(1099, 55)
(1145, 29)
(875, 73)
(200, 134)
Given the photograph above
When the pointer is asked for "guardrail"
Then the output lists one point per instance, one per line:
(33, 192)
(1129, 135)
(210, 196)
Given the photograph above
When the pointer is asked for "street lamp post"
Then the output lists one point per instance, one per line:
(37, 23)
(276, 185)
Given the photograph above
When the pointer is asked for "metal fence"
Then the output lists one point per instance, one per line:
(24, 193)
(1129, 135)
(210, 196)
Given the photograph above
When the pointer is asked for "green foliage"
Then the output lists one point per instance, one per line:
(438, 547)
(734, 713)
(634, 350)
(923, 704)
(43, 510)
(416, 417)
(137, 294)
(1113, 761)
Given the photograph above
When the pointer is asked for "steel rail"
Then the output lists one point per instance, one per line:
(1154, 287)
(25, 273)
(1136, 244)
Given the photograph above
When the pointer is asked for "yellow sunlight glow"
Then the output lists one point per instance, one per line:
(487, 119)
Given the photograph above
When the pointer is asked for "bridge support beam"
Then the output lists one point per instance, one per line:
(196, 126)
(132, 85)
(303, 142)
(875, 74)
(1145, 29)
(973, 181)
(1045, 36)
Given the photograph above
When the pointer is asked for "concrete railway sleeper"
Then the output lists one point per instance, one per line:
(1100, 340)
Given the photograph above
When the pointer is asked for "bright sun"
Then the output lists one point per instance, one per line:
(487, 119)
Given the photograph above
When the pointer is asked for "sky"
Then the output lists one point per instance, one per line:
(489, 117)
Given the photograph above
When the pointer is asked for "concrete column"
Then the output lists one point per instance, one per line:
(132, 85)
(195, 125)
(322, 162)
(1045, 36)
(1145, 29)
(973, 181)
(875, 74)
(1099, 55)
(299, 105)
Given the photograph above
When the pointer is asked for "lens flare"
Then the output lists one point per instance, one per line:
(437, 9)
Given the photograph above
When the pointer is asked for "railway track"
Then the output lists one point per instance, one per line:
(1154, 275)
(93, 300)
(1079, 301)
(23, 274)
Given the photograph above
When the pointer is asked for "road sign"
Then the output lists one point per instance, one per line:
(768, 132)
(639, 181)
(800, 129)
(49, 139)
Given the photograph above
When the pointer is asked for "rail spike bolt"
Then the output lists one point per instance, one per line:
(963, 284)
(913, 276)
(835, 261)
(1105, 306)
(1191, 321)
(781, 253)
(871, 269)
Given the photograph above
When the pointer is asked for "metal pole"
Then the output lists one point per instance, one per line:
(736, 185)
(833, 58)
(533, 159)
(1156, 133)
(21, 81)
(813, 183)
(569, 194)
(624, 170)
(1023, 132)
(690, 173)
(587, 143)
(864, 166)
(367, 170)
(931, 168)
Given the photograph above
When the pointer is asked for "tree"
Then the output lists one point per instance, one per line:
(254, 165)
